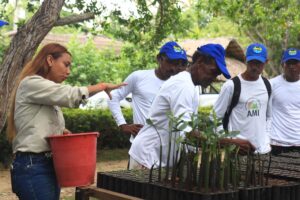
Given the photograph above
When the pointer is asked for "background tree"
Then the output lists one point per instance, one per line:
(50, 14)
(273, 23)
(24, 44)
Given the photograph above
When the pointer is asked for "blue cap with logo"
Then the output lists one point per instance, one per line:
(218, 53)
(173, 51)
(291, 54)
(2, 23)
(258, 52)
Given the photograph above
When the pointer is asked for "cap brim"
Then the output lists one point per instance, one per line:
(176, 56)
(2, 23)
(223, 69)
(259, 58)
(291, 58)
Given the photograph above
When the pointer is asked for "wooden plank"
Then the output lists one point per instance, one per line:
(102, 194)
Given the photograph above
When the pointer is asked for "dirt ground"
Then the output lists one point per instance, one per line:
(66, 193)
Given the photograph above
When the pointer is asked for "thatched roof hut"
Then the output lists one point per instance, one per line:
(235, 56)
(101, 42)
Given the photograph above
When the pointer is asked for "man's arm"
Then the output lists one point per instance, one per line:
(224, 99)
(115, 107)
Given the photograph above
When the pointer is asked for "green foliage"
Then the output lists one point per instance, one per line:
(274, 23)
(91, 66)
(148, 28)
(3, 45)
(201, 21)
(139, 58)
(214, 173)
(99, 120)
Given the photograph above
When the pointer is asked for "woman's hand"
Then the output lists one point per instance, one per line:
(66, 131)
(107, 87)
(110, 86)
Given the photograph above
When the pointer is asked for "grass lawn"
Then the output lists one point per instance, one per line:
(104, 155)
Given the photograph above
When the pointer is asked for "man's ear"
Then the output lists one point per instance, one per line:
(199, 61)
(267, 61)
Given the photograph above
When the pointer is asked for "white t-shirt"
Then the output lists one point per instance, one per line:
(177, 95)
(285, 126)
(249, 116)
(143, 85)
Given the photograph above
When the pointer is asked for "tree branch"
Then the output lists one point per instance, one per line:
(74, 19)
(249, 34)
(258, 35)
(22, 48)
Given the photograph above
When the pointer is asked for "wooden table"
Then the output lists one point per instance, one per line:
(84, 193)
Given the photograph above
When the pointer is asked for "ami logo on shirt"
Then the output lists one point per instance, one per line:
(253, 107)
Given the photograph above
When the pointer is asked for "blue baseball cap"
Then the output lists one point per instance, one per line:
(173, 51)
(291, 54)
(258, 52)
(218, 53)
(2, 23)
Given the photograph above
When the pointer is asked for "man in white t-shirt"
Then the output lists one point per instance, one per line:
(144, 85)
(249, 116)
(285, 126)
(178, 95)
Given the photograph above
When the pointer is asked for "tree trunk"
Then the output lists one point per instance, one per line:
(23, 47)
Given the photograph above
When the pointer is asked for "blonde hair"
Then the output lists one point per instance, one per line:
(37, 66)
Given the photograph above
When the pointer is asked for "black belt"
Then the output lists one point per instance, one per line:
(47, 154)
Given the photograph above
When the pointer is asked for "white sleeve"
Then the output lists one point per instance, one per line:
(224, 99)
(270, 102)
(269, 116)
(118, 95)
(269, 109)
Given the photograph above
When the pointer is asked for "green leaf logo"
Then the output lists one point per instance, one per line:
(292, 52)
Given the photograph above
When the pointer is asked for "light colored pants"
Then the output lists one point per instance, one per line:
(133, 164)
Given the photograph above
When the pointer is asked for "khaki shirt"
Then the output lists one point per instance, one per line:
(38, 113)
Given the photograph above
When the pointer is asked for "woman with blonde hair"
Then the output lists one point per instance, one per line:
(35, 114)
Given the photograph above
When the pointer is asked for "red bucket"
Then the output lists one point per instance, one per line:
(74, 157)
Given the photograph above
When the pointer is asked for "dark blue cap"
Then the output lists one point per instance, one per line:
(2, 23)
(258, 52)
(173, 51)
(291, 54)
(218, 53)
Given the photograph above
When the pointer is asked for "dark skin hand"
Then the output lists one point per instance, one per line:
(194, 134)
(245, 146)
(132, 129)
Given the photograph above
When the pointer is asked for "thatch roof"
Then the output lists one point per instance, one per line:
(101, 42)
(235, 56)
